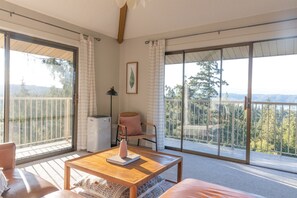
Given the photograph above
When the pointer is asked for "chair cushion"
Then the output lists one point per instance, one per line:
(133, 124)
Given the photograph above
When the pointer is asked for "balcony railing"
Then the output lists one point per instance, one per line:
(273, 125)
(39, 120)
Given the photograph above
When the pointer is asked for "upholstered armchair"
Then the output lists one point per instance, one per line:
(131, 127)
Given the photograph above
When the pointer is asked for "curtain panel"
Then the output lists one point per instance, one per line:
(156, 101)
(86, 89)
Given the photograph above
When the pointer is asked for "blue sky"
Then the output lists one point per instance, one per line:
(271, 75)
(28, 67)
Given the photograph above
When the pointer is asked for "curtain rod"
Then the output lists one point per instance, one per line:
(40, 21)
(228, 29)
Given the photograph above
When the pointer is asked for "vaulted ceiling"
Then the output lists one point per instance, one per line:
(158, 16)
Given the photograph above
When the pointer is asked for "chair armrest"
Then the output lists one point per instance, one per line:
(150, 124)
(122, 126)
(7, 153)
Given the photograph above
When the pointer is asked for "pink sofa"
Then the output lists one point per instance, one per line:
(201, 189)
(21, 183)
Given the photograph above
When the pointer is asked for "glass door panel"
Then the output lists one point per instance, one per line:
(2, 81)
(202, 89)
(41, 91)
(233, 122)
(173, 99)
(274, 104)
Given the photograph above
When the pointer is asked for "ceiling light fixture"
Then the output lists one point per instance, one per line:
(130, 3)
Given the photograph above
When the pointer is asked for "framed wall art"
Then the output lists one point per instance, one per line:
(132, 78)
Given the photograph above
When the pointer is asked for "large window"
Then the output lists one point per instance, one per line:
(236, 102)
(206, 100)
(274, 107)
(41, 89)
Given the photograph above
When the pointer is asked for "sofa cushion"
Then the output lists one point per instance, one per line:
(3, 182)
(7, 153)
(26, 185)
(201, 189)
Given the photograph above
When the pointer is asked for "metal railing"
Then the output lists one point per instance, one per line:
(38, 120)
(273, 125)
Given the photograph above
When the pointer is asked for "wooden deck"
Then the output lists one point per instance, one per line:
(32, 151)
(279, 162)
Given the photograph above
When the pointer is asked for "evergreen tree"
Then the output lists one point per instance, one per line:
(202, 88)
(173, 110)
(207, 81)
(263, 140)
(23, 91)
(289, 133)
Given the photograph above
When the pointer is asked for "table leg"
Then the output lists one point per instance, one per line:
(133, 191)
(179, 171)
(66, 177)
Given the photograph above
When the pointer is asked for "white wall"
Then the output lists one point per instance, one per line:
(107, 75)
(134, 50)
(137, 50)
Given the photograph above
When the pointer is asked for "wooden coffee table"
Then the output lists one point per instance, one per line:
(135, 174)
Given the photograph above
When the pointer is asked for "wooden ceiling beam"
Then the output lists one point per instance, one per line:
(122, 23)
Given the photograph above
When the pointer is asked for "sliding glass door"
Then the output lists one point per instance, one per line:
(233, 104)
(41, 91)
(173, 100)
(237, 102)
(205, 101)
(216, 84)
(201, 105)
(274, 104)
(40, 97)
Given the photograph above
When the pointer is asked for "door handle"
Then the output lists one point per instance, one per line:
(245, 102)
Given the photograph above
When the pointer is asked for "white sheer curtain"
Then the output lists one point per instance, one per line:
(86, 89)
(156, 101)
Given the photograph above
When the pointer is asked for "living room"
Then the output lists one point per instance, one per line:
(224, 33)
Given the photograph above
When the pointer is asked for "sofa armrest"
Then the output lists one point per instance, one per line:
(7, 153)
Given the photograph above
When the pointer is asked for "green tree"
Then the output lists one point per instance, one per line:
(262, 139)
(173, 110)
(202, 88)
(289, 133)
(207, 81)
(63, 71)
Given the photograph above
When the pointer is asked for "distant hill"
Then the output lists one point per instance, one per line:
(32, 89)
(42, 91)
(264, 97)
